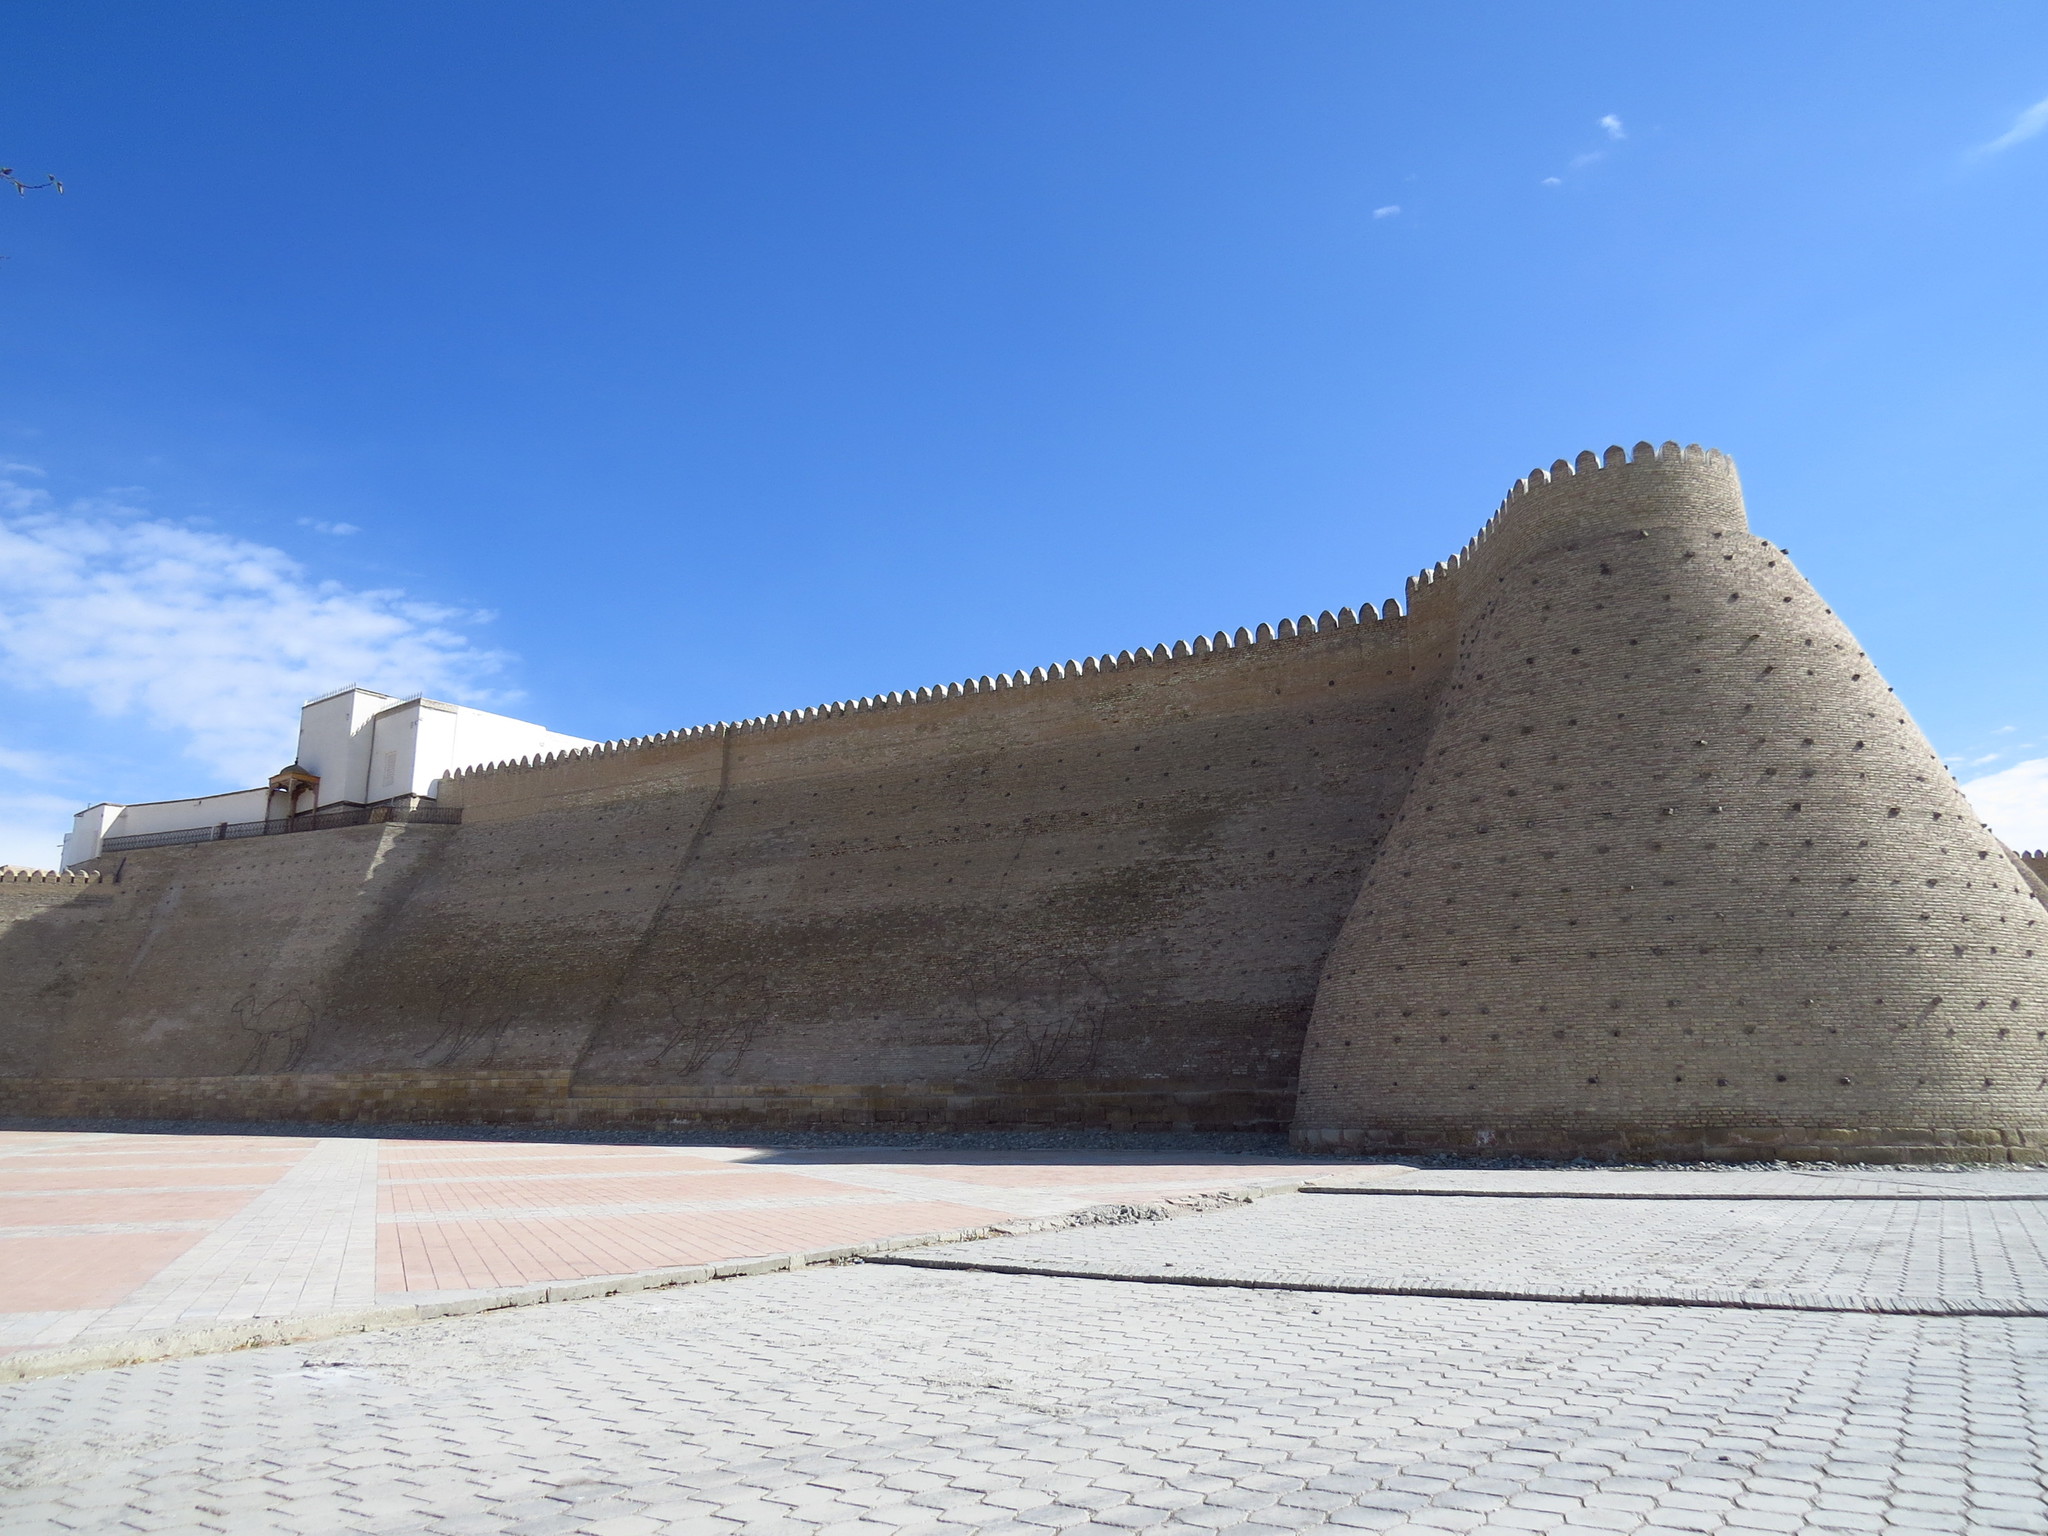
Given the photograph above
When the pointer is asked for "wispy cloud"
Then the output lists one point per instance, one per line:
(1388, 212)
(214, 639)
(338, 530)
(29, 765)
(2027, 125)
(2014, 802)
(1615, 131)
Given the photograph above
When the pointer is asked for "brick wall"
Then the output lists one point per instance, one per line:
(1616, 842)
(1105, 894)
(1678, 871)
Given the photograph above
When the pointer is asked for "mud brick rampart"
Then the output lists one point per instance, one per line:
(1613, 842)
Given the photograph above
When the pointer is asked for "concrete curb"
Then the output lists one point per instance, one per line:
(1618, 1194)
(31, 1365)
(1359, 1285)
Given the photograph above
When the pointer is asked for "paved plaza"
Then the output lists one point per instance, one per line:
(1214, 1371)
(154, 1243)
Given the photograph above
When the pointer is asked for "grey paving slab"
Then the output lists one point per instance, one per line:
(885, 1400)
(903, 1400)
(1941, 1255)
(1763, 1183)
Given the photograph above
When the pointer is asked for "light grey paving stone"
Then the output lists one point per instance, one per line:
(835, 1398)
(1761, 1520)
(1955, 1254)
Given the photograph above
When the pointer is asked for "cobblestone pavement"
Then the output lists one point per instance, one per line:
(1770, 1182)
(1960, 1250)
(870, 1399)
(112, 1238)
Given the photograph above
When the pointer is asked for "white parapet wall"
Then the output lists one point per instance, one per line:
(91, 827)
(366, 748)
(369, 747)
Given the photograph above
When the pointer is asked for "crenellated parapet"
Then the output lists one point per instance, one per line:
(1522, 509)
(1222, 644)
(1654, 483)
(31, 896)
(10, 875)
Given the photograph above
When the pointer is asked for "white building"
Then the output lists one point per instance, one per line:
(358, 751)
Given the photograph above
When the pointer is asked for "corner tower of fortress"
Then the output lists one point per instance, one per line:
(1678, 875)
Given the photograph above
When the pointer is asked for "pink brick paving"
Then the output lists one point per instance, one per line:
(465, 1255)
(70, 1207)
(50, 1274)
(104, 1237)
(603, 1186)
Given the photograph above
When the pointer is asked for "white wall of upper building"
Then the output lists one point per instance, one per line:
(368, 747)
(90, 826)
(365, 747)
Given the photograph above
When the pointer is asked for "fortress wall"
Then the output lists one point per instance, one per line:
(1121, 882)
(1617, 842)
(203, 958)
(1103, 898)
(27, 893)
(1679, 874)
(47, 921)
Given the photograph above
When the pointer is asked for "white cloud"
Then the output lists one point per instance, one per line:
(2029, 123)
(2014, 801)
(29, 765)
(1387, 212)
(212, 638)
(1610, 125)
(339, 530)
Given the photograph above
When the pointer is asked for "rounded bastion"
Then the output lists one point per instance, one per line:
(1679, 875)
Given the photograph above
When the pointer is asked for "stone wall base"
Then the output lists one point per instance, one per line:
(1712, 1143)
(484, 1097)
(553, 1098)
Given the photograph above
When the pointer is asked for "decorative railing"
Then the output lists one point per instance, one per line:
(311, 821)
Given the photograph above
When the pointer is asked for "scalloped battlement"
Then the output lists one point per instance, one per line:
(9, 875)
(1201, 648)
(1561, 474)
(1616, 457)
(1544, 494)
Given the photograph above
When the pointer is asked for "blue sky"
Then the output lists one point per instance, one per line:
(631, 365)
